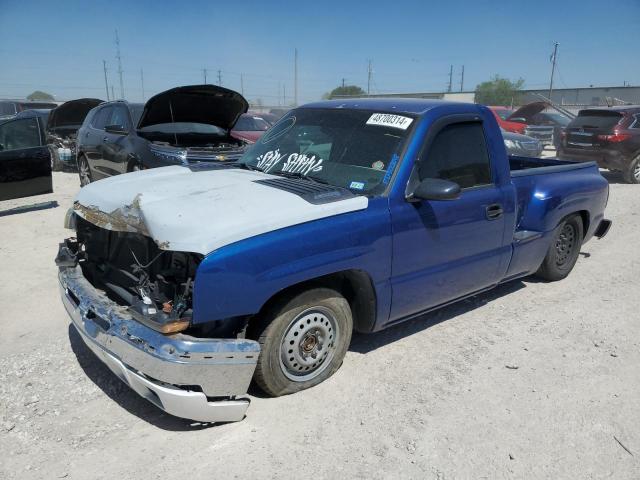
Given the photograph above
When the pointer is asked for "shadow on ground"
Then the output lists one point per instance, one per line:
(613, 177)
(115, 389)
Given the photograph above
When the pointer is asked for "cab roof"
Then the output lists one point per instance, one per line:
(416, 106)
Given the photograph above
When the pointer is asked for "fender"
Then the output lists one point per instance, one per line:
(238, 279)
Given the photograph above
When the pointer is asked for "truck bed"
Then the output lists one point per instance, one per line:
(525, 166)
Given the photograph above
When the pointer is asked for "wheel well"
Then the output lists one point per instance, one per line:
(132, 161)
(585, 221)
(356, 287)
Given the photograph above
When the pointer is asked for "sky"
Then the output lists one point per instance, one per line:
(59, 47)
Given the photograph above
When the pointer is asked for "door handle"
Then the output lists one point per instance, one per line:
(105, 139)
(494, 211)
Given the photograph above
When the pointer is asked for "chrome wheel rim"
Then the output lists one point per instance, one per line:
(85, 176)
(565, 244)
(636, 171)
(309, 344)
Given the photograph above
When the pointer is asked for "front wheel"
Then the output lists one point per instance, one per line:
(84, 171)
(632, 172)
(303, 341)
(563, 251)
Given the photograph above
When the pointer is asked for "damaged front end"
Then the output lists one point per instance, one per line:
(131, 301)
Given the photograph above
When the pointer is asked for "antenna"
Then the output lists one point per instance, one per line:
(142, 83)
(119, 64)
(106, 84)
(295, 77)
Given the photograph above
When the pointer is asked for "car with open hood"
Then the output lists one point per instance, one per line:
(541, 120)
(189, 281)
(62, 128)
(250, 127)
(182, 126)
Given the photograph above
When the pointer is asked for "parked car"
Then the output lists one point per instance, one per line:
(62, 129)
(537, 119)
(250, 127)
(182, 126)
(270, 118)
(346, 215)
(501, 115)
(25, 160)
(609, 136)
(517, 144)
(9, 108)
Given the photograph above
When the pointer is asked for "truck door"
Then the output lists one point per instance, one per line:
(25, 160)
(446, 249)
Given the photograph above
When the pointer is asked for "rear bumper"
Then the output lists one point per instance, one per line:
(188, 377)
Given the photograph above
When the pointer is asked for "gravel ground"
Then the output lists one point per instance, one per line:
(532, 380)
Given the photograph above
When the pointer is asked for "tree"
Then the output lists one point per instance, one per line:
(39, 95)
(499, 91)
(345, 91)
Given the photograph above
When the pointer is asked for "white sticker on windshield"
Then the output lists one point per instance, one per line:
(390, 120)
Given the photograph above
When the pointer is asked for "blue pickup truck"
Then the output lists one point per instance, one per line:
(190, 281)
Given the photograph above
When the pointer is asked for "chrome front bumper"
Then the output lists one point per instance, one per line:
(177, 373)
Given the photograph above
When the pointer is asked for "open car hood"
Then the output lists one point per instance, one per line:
(529, 110)
(71, 113)
(207, 104)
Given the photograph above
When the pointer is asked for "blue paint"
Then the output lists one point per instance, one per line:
(417, 255)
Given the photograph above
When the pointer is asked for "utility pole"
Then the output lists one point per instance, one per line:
(450, 78)
(113, 95)
(142, 83)
(462, 79)
(369, 73)
(204, 72)
(343, 83)
(242, 84)
(119, 65)
(553, 68)
(284, 95)
(106, 84)
(295, 77)
(220, 77)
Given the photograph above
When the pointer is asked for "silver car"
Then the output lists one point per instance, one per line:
(522, 145)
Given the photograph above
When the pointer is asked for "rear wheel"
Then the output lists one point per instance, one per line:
(632, 173)
(84, 171)
(563, 251)
(303, 341)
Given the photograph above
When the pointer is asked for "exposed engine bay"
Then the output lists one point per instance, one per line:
(156, 285)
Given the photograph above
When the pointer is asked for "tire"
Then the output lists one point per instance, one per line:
(632, 172)
(84, 172)
(134, 166)
(303, 340)
(563, 251)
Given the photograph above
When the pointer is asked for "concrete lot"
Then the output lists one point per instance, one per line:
(532, 380)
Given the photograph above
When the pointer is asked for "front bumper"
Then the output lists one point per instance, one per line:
(188, 377)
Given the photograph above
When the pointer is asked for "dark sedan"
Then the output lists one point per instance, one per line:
(181, 126)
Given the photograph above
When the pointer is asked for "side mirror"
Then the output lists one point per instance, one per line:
(116, 129)
(435, 189)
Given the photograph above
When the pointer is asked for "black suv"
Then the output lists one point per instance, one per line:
(181, 126)
(609, 136)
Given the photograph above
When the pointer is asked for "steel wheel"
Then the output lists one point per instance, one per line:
(84, 172)
(565, 244)
(308, 345)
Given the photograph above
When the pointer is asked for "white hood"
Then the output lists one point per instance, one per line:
(199, 211)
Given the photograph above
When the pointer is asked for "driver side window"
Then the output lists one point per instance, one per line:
(19, 134)
(459, 154)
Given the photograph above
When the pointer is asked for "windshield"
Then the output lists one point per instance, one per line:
(354, 149)
(503, 113)
(183, 127)
(558, 118)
